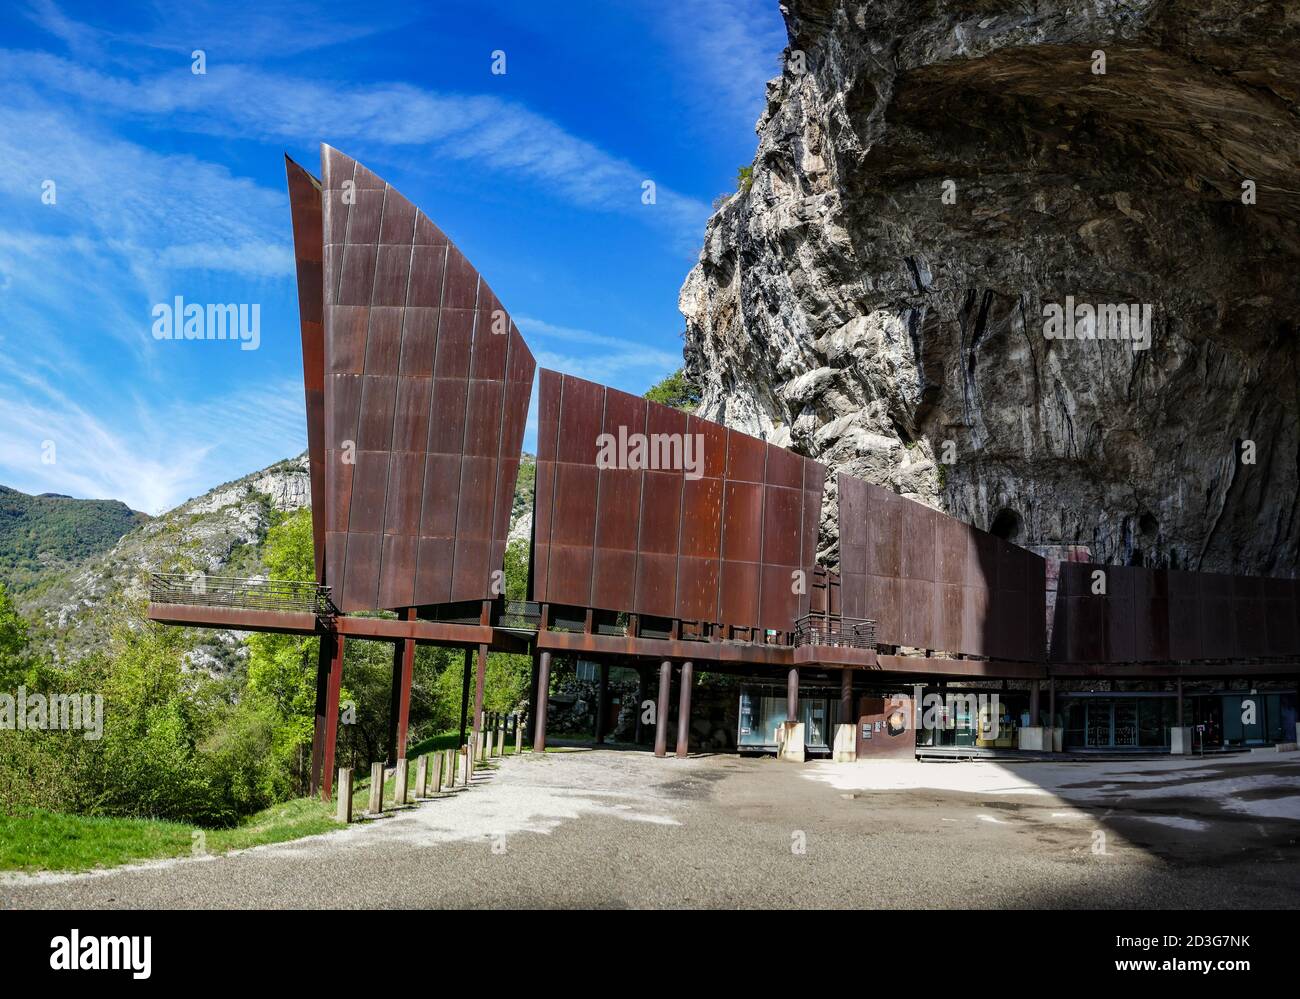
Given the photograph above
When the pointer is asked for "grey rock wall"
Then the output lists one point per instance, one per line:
(842, 306)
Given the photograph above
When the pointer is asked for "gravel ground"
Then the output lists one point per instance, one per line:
(622, 829)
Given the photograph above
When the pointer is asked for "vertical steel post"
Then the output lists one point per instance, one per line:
(480, 677)
(464, 694)
(846, 697)
(684, 711)
(543, 693)
(400, 701)
(661, 708)
(329, 676)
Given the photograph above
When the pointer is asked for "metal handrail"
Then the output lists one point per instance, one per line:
(842, 632)
(198, 589)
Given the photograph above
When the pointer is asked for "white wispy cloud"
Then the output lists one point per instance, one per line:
(499, 135)
(726, 51)
(151, 455)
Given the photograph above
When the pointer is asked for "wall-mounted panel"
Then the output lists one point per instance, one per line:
(932, 582)
(691, 520)
(425, 384)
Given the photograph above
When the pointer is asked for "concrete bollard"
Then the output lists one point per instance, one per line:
(501, 742)
(422, 776)
(449, 768)
(435, 774)
(376, 789)
(469, 766)
(519, 735)
(399, 782)
(344, 791)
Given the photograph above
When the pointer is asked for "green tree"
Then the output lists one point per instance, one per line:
(676, 390)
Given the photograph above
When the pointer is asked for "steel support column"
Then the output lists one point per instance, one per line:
(684, 711)
(543, 694)
(1033, 704)
(1051, 702)
(480, 677)
(792, 695)
(329, 675)
(1180, 702)
(464, 694)
(846, 697)
(399, 705)
(661, 708)
(531, 731)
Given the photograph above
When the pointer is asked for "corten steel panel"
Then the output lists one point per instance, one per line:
(814, 477)
(397, 584)
(405, 493)
(853, 525)
(746, 457)
(697, 588)
(618, 509)
(739, 593)
(920, 524)
(441, 479)
(384, 341)
(742, 522)
(784, 468)
(613, 576)
(378, 399)
(691, 520)
(549, 386)
(885, 533)
(917, 597)
(950, 553)
(661, 513)
(1184, 615)
(1218, 631)
(948, 627)
(976, 624)
(455, 343)
(782, 511)
(407, 322)
(714, 437)
(1120, 613)
(701, 532)
(656, 584)
(932, 582)
(853, 589)
(411, 415)
(308, 248)
(1151, 615)
(779, 603)
(1279, 612)
(582, 414)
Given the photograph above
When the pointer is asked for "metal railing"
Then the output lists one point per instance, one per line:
(845, 632)
(200, 590)
(520, 615)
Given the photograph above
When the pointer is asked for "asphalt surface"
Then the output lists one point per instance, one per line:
(623, 829)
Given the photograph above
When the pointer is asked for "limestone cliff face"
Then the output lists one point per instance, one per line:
(843, 305)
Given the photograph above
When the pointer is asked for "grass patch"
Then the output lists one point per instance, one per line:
(52, 841)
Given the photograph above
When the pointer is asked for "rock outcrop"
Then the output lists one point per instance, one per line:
(932, 176)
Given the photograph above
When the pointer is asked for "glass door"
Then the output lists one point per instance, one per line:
(1125, 729)
(1099, 723)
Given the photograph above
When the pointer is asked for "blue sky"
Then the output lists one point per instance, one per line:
(170, 183)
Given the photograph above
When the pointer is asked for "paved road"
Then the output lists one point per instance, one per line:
(620, 829)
